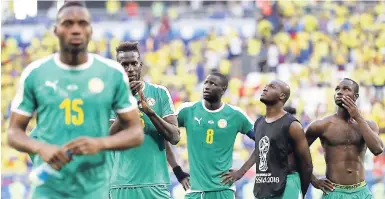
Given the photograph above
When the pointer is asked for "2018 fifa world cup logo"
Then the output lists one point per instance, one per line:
(264, 145)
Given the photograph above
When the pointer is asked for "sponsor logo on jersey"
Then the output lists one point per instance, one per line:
(211, 122)
(72, 87)
(222, 123)
(52, 84)
(198, 120)
(151, 101)
(95, 85)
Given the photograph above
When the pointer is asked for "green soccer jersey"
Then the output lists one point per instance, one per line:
(210, 141)
(74, 102)
(146, 164)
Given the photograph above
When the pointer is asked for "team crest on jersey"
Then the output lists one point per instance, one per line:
(151, 101)
(222, 123)
(95, 85)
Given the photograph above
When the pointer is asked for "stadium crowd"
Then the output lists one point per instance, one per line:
(309, 48)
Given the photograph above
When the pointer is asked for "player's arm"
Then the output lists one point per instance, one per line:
(314, 131)
(302, 154)
(23, 106)
(369, 130)
(182, 176)
(167, 126)
(233, 175)
(128, 134)
(370, 133)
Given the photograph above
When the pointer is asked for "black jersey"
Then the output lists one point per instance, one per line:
(272, 147)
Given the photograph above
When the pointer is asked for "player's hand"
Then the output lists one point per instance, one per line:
(136, 86)
(231, 176)
(84, 146)
(351, 107)
(54, 155)
(186, 183)
(144, 107)
(323, 184)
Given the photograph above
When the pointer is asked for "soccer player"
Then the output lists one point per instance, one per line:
(345, 136)
(212, 127)
(68, 90)
(280, 146)
(142, 172)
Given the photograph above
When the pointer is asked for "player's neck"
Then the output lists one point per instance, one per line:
(343, 113)
(212, 106)
(73, 59)
(274, 111)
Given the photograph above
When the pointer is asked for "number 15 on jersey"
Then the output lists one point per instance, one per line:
(73, 113)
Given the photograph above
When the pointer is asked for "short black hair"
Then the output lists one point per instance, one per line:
(224, 78)
(70, 3)
(290, 110)
(127, 47)
(355, 85)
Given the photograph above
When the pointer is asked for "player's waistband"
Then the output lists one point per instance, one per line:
(350, 187)
(130, 186)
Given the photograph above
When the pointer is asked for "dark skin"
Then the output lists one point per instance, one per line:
(133, 66)
(345, 136)
(274, 97)
(74, 31)
(167, 126)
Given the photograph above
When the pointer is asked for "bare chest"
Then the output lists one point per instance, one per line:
(343, 134)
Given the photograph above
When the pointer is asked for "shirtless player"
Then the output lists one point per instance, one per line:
(345, 136)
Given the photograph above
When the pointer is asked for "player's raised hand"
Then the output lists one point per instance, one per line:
(350, 106)
(54, 155)
(84, 146)
(144, 105)
(136, 86)
(231, 176)
(323, 184)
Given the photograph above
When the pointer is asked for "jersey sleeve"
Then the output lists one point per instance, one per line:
(182, 113)
(167, 104)
(112, 115)
(246, 123)
(24, 102)
(123, 100)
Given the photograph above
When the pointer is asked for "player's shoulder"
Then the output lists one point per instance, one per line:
(111, 64)
(33, 66)
(239, 112)
(321, 123)
(188, 105)
(157, 87)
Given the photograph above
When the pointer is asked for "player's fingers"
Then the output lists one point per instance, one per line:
(226, 179)
(62, 157)
(328, 181)
(224, 174)
(329, 187)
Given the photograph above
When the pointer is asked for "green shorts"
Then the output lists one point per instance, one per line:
(356, 191)
(42, 192)
(156, 191)
(292, 188)
(223, 194)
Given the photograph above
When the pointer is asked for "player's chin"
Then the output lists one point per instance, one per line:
(338, 103)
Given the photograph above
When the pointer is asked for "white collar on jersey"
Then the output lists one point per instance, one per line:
(64, 66)
(213, 111)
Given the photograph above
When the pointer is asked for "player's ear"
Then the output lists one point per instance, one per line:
(356, 96)
(282, 96)
(55, 30)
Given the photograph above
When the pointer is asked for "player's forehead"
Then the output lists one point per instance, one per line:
(275, 84)
(74, 13)
(345, 83)
(128, 56)
(213, 78)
